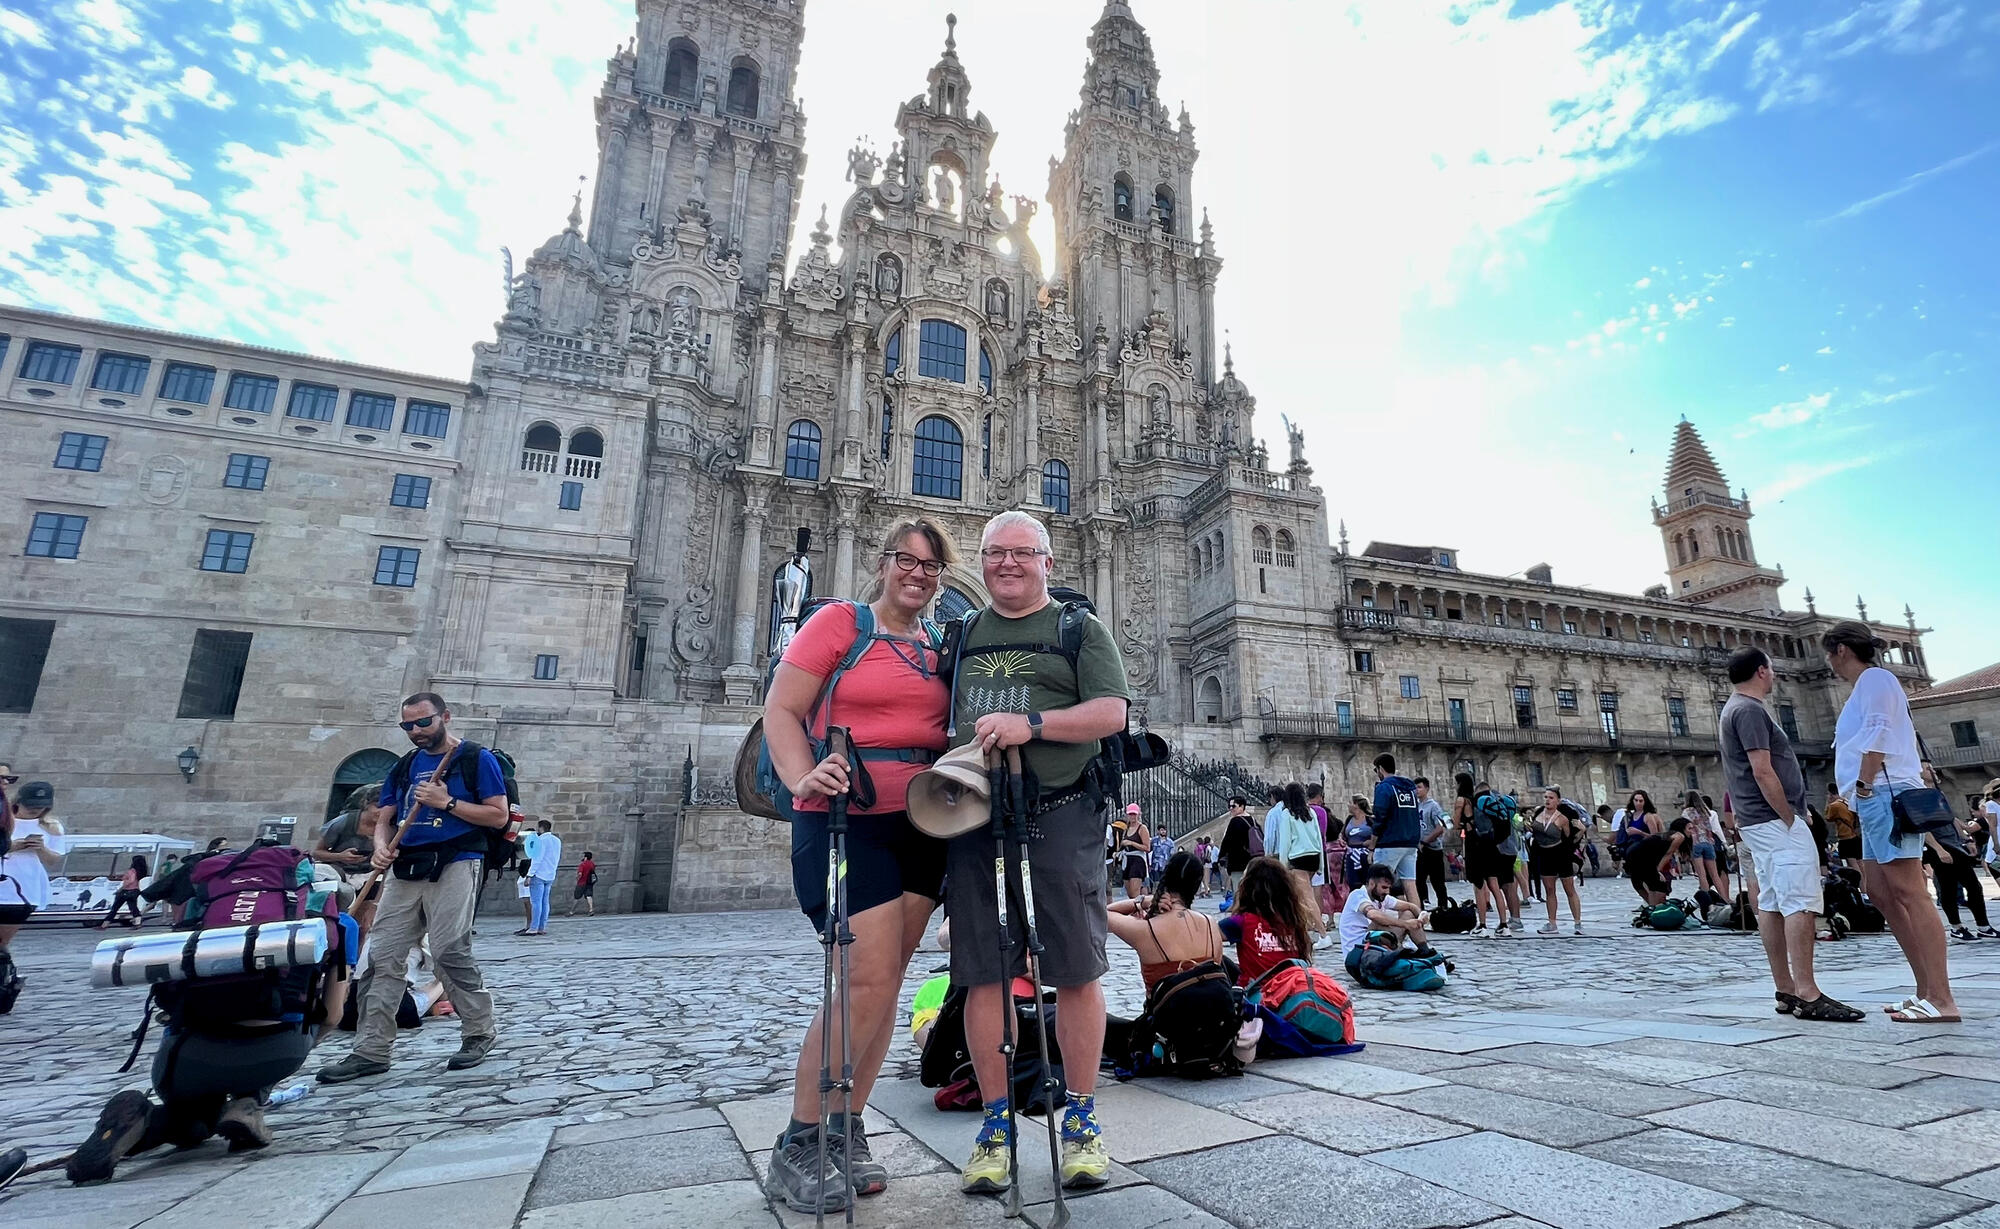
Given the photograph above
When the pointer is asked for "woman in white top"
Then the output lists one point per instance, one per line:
(37, 848)
(1875, 757)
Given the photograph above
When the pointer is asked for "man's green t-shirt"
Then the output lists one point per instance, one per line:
(1022, 682)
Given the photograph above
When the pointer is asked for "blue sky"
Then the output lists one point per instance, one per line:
(1487, 253)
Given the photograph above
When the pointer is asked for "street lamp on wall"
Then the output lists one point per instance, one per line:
(187, 761)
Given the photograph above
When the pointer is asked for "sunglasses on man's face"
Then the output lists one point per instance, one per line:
(8, 778)
(421, 723)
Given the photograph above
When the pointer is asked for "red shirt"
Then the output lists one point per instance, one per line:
(584, 870)
(1259, 949)
(892, 697)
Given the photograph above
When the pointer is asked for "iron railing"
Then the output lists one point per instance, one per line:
(1333, 727)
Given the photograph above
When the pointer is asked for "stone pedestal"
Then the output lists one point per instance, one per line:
(626, 896)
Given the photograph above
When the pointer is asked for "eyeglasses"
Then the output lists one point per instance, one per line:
(910, 563)
(8, 779)
(1013, 554)
(421, 723)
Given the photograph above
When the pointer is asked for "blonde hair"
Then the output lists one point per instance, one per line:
(932, 533)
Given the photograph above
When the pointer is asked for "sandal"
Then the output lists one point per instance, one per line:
(1828, 1009)
(1907, 1004)
(1788, 1003)
(1921, 1011)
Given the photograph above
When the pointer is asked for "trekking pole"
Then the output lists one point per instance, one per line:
(1017, 797)
(996, 796)
(836, 935)
(395, 842)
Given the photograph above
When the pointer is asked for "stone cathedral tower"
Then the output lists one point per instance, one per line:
(1711, 559)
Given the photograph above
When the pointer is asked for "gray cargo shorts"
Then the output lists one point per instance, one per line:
(1066, 859)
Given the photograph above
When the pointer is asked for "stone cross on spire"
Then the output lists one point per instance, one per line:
(1861, 607)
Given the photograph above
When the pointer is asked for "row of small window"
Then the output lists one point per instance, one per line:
(1534, 623)
(245, 471)
(48, 362)
(683, 79)
(59, 535)
(1411, 688)
(938, 466)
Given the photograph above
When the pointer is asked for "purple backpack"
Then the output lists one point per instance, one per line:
(261, 884)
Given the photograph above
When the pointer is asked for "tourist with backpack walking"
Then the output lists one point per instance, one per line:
(1488, 835)
(35, 848)
(542, 875)
(438, 807)
(872, 668)
(1047, 677)
(1554, 832)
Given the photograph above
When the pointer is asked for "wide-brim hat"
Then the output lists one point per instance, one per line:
(951, 798)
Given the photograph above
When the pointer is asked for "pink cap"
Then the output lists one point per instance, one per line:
(1132, 808)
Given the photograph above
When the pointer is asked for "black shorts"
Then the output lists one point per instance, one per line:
(1065, 853)
(1651, 882)
(1551, 863)
(1849, 849)
(886, 857)
(14, 915)
(584, 891)
(1134, 866)
(1307, 862)
(1483, 863)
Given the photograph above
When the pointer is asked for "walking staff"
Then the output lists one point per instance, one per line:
(837, 934)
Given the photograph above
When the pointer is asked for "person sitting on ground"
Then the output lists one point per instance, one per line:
(1374, 916)
(1171, 936)
(1272, 922)
(1650, 862)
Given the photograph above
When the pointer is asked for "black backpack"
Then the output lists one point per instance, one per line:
(1189, 1026)
(946, 1059)
(1843, 899)
(496, 843)
(1454, 919)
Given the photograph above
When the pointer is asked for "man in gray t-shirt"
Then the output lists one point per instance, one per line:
(1767, 792)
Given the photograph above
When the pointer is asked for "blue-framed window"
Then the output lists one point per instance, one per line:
(246, 471)
(253, 394)
(313, 401)
(546, 665)
(80, 451)
(939, 465)
(1343, 716)
(48, 362)
(371, 411)
(572, 497)
(397, 566)
(892, 353)
(411, 491)
(1413, 688)
(120, 373)
(427, 418)
(941, 350)
(55, 535)
(1055, 487)
(985, 372)
(802, 450)
(187, 382)
(1677, 718)
(227, 551)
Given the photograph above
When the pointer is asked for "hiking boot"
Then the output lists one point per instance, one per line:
(796, 1176)
(986, 1172)
(868, 1176)
(242, 1124)
(471, 1052)
(1085, 1163)
(353, 1067)
(120, 1127)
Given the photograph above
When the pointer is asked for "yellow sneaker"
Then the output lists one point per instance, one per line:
(986, 1172)
(1085, 1163)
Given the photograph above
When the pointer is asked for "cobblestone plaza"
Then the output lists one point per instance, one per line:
(1626, 1079)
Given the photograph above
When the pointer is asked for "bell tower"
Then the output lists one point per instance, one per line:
(1711, 559)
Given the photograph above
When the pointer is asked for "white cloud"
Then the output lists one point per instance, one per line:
(1792, 413)
(1912, 182)
(1824, 350)
(1798, 476)
(18, 27)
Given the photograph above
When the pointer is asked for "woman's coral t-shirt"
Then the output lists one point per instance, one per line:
(892, 697)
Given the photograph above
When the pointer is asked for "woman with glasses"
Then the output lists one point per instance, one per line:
(1875, 757)
(894, 703)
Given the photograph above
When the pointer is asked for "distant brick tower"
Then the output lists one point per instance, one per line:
(1711, 560)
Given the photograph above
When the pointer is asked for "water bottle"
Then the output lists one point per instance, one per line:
(288, 1094)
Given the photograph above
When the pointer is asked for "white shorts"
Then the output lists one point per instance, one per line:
(1787, 864)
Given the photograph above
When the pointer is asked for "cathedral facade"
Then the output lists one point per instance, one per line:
(672, 408)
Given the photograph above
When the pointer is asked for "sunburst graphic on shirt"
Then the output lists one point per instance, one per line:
(1002, 665)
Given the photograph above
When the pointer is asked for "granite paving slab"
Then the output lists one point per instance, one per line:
(1140, 1124)
(894, 1150)
(1431, 1037)
(1584, 1090)
(1619, 1064)
(1757, 1218)
(1956, 1090)
(908, 1104)
(1236, 1182)
(929, 1202)
(627, 1128)
(287, 1191)
(644, 1163)
(1855, 1145)
(1563, 1189)
(1768, 1058)
(1843, 1197)
(1980, 1125)
(1132, 1207)
(1419, 1062)
(758, 1121)
(718, 1205)
(1534, 1019)
(1346, 1123)
(119, 1204)
(1955, 1064)
(1713, 1034)
(1346, 1075)
(1544, 1122)
(1877, 1107)
(1222, 1092)
(1982, 1185)
(482, 1201)
(513, 1149)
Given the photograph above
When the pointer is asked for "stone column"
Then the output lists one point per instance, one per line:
(846, 511)
(1102, 543)
(626, 894)
(763, 433)
(739, 679)
(1031, 434)
(852, 430)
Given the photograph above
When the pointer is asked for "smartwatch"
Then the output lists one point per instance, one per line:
(451, 806)
(1034, 727)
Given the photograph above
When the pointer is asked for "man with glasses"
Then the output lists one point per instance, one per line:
(1018, 685)
(450, 792)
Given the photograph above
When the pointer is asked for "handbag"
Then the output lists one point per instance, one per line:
(1923, 811)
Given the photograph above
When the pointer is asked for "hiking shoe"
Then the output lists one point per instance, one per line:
(1960, 934)
(353, 1067)
(242, 1124)
(986, 1172)
(796, 1176)
(867, 1175)
(471, 1052)
(1085, 1163)
(1549, 929)
(120, 1127)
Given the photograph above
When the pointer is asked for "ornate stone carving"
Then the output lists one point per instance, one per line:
(717, 455)
(817, 282)
(888, 276)
(1059, 332)
(694, 624)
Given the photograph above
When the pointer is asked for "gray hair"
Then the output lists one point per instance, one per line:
(1010, 518)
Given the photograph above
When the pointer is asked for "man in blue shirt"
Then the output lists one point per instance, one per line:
(431, 829)
(1398, 824)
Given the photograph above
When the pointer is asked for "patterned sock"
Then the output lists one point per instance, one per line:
(993, 1128)
(1080, 1118)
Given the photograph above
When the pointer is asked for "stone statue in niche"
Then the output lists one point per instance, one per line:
(646, 320)
(889, 276)
(1160, 408)
(945, 198)
(996, 299)
(681, 311)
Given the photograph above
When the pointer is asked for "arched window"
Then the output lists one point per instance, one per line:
(802, 450)
(1055, 487)
(1260, 545)
(941, 350)
(1287, 557)
(1218, 548)
(892, 353)
(541, 449)
(683, 70)
(986, 446)
(1208, 703)
(586, 453)
(1680, 548)
(985, 372)
(938, 468)
(1163, 204)
(743, 89)
(888, 425)
(1694, 546)
(952, 604)
(1121, 199)
(586, 443)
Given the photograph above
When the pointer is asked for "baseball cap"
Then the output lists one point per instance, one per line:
(36, 794)
(1131, 808)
